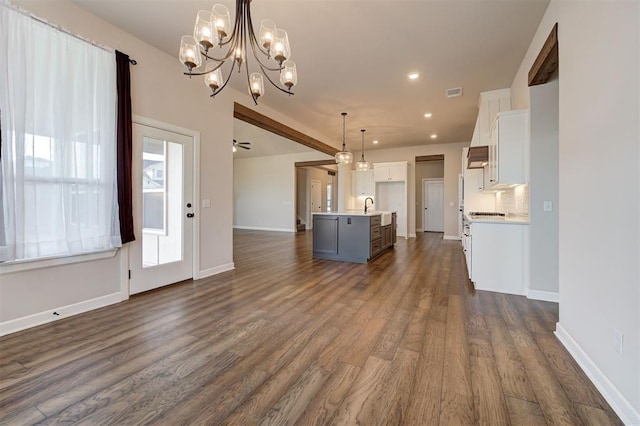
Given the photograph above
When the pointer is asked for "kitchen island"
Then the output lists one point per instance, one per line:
(353, 236)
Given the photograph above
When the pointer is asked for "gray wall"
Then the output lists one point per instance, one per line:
(425, 170)
(544, 187)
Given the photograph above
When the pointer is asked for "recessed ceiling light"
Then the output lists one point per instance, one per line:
(434, 136)
(375, 142)
(413, 75)
(427, 115)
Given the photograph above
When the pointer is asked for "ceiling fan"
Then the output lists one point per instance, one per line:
(237, 145)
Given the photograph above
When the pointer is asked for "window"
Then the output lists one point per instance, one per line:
(154, 194)
(58, 176)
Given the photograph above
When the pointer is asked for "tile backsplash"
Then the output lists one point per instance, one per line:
(513, 200)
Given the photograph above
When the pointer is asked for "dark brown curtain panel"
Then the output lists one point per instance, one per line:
(125, 141)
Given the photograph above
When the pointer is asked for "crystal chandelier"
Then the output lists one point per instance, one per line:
(213, 30)
(363, 165)
(344, 156)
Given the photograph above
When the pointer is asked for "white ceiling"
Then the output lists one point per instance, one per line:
(354, 56)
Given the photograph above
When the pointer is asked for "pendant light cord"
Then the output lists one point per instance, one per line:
(362, 158)
(344, 114)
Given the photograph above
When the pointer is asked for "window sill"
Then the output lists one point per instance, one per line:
(26, 265)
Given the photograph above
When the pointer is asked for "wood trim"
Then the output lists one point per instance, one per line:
(546, 64)
(421, 158)
(315, 163)
(477, 156)
(250, 116)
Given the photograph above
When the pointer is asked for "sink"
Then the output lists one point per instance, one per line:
(385, 219)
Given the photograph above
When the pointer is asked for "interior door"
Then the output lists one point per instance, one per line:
(316, 196)
(162, 207)
(433, 196)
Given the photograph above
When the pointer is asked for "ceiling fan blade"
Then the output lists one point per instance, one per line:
(244, 147)
(244, 143)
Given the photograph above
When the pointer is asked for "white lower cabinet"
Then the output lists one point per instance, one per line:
(498, 258)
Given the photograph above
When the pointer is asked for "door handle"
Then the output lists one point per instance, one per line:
(190, 214)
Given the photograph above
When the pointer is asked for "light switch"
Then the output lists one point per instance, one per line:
(206, 203)
(450, 203)
(547, 206)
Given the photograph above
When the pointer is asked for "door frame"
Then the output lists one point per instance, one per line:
(195, 138)
(424, 203)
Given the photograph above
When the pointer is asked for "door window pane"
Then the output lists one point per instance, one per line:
(162, 202)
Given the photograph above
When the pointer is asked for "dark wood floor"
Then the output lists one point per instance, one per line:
(285, 339)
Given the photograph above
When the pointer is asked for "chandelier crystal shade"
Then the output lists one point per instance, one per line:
(213, 31)
(363, 165)
(344, 156)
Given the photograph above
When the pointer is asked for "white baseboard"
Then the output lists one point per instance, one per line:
(545, 296)
(412, 235)
(419, 230)
(216, 270)
(451, 237)
(48, 316)
(623, 408)
(260, 228)
(498, 290)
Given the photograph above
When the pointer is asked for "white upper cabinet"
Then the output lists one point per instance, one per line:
(390, 172)
(363, 183)
(508, 150)
(489, 105)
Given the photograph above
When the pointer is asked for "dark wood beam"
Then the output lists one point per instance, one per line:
(315, 163)
(250, 116)
(421, 158)
(546, 64)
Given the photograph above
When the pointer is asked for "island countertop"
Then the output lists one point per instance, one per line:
(354, 213)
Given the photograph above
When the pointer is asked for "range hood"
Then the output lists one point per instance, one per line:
(477, 157)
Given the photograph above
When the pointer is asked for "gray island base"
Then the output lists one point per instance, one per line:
(353, 237)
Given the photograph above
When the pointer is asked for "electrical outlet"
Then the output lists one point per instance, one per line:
(547, 206)
(618, 341)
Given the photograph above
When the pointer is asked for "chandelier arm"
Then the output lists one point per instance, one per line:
(262, 65)
(233, 33)
(252, 36)
(246, 70)
(205, 72)
(226, 81)
(272, 83)
(227, 56)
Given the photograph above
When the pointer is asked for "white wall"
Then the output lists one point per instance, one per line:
(161, 92)
(544, 254)
(452, 166)
(599, 188)
(264, 191)
(425, 170)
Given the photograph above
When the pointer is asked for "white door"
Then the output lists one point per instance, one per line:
(163, 210)
(433, 200)
(316, 196)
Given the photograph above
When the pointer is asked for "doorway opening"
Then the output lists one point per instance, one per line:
(270, 192)
(427, 167)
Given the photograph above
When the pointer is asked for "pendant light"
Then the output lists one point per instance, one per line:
(344, 156)
(363, 165)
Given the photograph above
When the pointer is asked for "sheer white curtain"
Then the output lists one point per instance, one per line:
(58, 122)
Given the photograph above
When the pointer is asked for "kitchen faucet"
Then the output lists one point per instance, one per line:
(365, 204)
